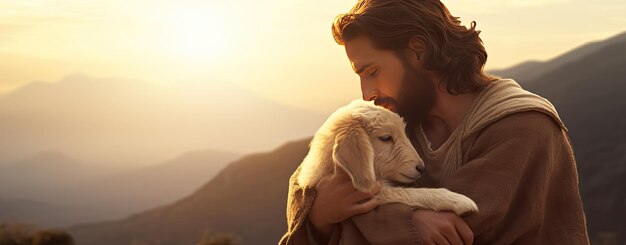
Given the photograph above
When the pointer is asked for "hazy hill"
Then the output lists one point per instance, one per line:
(248, 197)
(51, 189)
(532, 70)
(121, 121)
(120, 195)
(43, 214)
(39, 174)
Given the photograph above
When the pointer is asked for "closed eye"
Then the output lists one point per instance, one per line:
(372, 74)
(386, 138)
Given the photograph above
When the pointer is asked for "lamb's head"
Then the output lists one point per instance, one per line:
(370, 144)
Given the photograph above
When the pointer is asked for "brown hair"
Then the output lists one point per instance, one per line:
(452, 50)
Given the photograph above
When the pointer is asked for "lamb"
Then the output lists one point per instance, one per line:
(370, 144)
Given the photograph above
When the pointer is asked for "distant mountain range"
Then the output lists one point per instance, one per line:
(116, 121)
(532, 70)
(120, 195)
(248, 198)
(53, 190)
(45, 214)
(91, 143)
(35, 176)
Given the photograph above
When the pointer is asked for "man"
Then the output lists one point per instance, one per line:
(479, 135)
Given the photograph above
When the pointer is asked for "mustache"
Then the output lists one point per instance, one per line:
(385, 100)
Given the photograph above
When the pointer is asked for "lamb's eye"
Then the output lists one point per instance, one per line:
(385, 138)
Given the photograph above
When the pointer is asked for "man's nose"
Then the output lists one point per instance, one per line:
(369, 94)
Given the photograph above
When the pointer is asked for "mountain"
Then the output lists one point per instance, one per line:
(124, 122)
(51, 189)
(532, 70)
(248, 199)
(120, 195)
(35, 176)
(41, 213)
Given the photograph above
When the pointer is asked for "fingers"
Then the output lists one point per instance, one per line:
(465, 232)
(438, 239)
(458, 232)
(441, 240)
(448, 234)
(452, 236)
(340, 173)
(436, 227)
(323, 181)
(341, 178)
(364, 207)
(358, 195)
(334, 179)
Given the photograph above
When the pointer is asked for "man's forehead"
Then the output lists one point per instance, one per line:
(361, 53)
(358, 49)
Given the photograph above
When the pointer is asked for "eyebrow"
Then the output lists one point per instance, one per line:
(363, 68)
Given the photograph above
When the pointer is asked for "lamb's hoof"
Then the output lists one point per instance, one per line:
(459, 204)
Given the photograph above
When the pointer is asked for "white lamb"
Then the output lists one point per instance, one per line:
(369, 143)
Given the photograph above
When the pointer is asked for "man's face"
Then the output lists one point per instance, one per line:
(391, 81)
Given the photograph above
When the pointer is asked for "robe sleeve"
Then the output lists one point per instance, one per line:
(299, 202)
(521, 173)
(389, 223)
(386, 224)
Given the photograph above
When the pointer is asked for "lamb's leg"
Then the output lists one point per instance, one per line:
(428, 198)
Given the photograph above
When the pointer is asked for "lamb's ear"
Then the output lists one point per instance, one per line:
(354, 153)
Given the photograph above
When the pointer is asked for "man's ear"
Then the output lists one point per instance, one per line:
(354, 153)
(415, 50)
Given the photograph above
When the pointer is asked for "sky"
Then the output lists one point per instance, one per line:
(280, 49)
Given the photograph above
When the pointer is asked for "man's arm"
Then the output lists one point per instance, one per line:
(313, 213)
(510, 173)
(515, 167)
(518, 169)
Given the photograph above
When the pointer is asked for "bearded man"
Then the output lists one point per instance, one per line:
(481, 136)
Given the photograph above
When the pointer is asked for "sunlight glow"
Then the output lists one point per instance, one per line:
(194, 34)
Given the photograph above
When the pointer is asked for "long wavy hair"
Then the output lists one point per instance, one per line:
(452, 50)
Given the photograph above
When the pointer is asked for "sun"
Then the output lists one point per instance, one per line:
(195, 34)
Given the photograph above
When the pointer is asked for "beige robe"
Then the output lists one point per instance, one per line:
(511, 154)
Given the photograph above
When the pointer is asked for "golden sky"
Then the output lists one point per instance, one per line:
(281, 49)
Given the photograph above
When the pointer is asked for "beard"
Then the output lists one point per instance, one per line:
(416, 97)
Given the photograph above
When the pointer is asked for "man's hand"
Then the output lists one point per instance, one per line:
(337, 200)
(442, 228)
